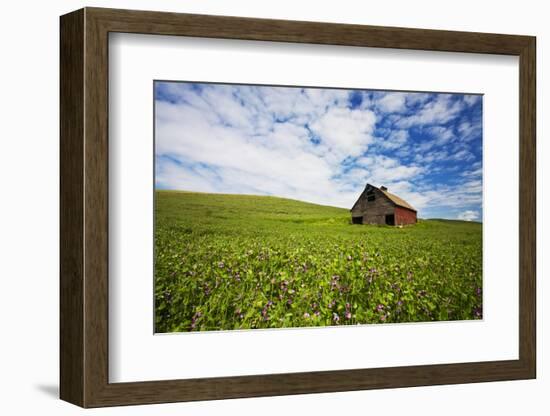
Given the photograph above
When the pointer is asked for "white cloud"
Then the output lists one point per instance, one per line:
(433, 156)
(417, 98)
(345, 132)
(469, 131)
(438, 111)
(394, 102)
(468, 215)
(471, 99)
(473, 173)
(395, 140)
(463, 155)
(441, 135)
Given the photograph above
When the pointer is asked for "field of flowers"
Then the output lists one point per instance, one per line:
(239, 262)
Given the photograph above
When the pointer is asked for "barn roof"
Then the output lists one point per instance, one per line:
(396, 200)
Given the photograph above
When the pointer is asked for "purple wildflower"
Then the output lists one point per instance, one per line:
(307, 315)
(264, 314)
(335, 317)
(196, 316)
(334, 282)
(477, 312)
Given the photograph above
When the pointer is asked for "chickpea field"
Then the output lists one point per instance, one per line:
(226, 262)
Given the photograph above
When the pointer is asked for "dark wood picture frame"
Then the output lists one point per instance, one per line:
(84, 207)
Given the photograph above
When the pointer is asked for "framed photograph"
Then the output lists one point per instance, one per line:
(254, 207)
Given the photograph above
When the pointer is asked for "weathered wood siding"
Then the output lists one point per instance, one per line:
(373, 212)
(404, 216)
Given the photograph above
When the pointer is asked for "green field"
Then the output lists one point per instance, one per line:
(238, 262)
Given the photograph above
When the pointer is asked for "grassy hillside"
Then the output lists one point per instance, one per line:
(238, 261)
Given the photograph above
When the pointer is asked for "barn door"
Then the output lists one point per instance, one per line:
(390, 219)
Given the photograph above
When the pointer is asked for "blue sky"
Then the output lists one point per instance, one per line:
(321, 145)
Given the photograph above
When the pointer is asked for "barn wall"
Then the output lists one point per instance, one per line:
(373, 212)
(404, 216)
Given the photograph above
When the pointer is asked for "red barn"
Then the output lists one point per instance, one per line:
(378, 206)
